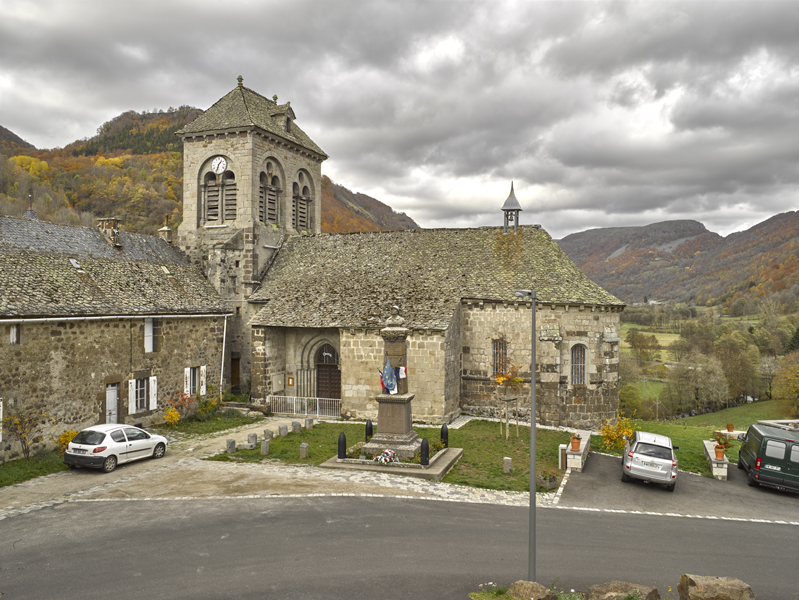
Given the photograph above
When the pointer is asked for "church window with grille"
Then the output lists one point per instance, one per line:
(229, 191)
(499, 356)
(578, 364)
(211, 198)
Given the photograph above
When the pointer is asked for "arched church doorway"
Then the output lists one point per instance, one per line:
(328, 375)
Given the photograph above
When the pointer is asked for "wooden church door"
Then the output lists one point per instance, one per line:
(328, 375)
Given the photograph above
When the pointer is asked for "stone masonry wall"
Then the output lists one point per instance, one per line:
(268, 361)
(62, 367)
(363, 355)
(558, 401)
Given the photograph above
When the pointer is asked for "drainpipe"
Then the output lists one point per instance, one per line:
(224, 340)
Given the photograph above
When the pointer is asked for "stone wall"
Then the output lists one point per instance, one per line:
(62, 367)
(559, 327)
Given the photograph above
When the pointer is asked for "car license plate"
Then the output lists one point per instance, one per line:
(79, 451)
(651, 465)
(772, 467)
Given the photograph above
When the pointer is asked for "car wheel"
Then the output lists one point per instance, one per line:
(159, 451)
(751, 481)
(110, 464)
(625, 478)
(740, 462)
(670, 488)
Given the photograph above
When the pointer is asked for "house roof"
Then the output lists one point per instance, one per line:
(54, 270)
(245, 108)
(352, 280)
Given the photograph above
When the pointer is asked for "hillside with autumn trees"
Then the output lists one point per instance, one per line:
(133, 169)
(684, 262)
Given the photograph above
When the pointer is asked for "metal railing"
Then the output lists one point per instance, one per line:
(294, 405)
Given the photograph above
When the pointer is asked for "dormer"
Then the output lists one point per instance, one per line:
(284, 116)
(109, 227)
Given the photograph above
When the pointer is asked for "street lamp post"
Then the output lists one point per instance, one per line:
(531, 549)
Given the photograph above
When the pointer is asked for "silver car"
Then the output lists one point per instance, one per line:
(649, 457)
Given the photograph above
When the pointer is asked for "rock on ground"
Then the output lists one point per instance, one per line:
(700, 587)
(617, 590)
(530, 590)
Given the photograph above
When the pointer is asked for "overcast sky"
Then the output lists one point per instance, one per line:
(603, 113)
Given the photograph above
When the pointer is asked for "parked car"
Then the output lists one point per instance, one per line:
(649, 457)
(106, 446)
(770, 455)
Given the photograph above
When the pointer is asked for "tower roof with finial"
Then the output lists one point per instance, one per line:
(511, 203)
(243, 108)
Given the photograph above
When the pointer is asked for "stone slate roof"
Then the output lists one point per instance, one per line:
(352, 280)
(37, 277)
(244, 108)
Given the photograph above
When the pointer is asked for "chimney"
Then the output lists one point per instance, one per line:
(109, 227)
(165, 233)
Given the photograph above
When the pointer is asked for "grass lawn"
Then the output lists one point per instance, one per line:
(480, 466)
(17, 471)
(223, 420)
(651, 390)
(741, 416)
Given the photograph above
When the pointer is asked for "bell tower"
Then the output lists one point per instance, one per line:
(251, 179)
(511, 208)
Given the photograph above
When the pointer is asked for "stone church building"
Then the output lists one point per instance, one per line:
(308, 307)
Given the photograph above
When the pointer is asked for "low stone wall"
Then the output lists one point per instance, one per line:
(575, 459)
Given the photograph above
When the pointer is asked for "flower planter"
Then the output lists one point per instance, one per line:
(730, 428)
(548, 483)
(575, 444)
(719, 453)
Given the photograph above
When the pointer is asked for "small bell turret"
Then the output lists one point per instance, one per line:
(511, 208)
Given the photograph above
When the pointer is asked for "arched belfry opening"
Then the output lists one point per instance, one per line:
(511, 208)
(328, 374)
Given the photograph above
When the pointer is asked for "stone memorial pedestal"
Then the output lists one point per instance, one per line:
(394, 427)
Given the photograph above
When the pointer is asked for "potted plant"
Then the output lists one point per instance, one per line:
(730, 426)
(547, 479)
(575, 441)
(722, 444)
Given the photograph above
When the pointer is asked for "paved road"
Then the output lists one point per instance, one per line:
(365, 548)
(694, 495)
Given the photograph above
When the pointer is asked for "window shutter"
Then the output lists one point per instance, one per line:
(202, 381)
(131, 396)
(187, 380)
(153, 393)
(148, 335)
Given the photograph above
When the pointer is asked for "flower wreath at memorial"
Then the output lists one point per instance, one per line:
(388, 456)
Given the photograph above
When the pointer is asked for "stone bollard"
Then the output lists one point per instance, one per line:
(265, 448)
(342, 446)
(252, 439)
(296, 427)
(304, 450)
(445, 435)
(268, 434)
(282, 430)
(424, 457)
(231, 446)
(507, 465)
(309, 423)
(369, 429)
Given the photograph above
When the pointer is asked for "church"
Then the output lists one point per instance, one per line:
(307, 307)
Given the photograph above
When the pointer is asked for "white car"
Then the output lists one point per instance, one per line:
(106, 446)
(649, 457)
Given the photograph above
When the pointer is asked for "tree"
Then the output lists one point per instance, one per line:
(793, 343)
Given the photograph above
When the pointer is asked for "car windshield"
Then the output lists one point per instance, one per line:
(653, 451)
(89, 437)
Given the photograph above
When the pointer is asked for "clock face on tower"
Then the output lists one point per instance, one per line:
(218, 165)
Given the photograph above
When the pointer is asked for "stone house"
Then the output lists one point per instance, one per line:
(99, 325)
(326, 297)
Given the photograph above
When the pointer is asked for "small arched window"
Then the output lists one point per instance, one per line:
(578, 364)
(229, 191)
(299, 208)
(211, 198)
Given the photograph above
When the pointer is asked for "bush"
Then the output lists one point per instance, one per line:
(171, 416)
(63, 440)
(613, 432)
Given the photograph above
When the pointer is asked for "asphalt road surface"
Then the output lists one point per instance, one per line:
(374, 548)
(599, 485)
